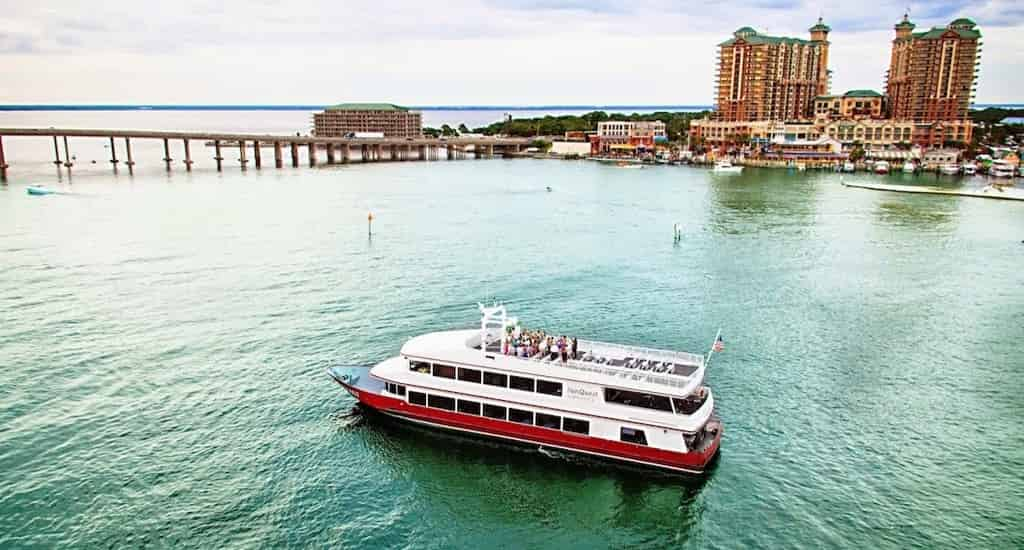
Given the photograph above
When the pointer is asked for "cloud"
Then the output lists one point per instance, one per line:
(475, 51)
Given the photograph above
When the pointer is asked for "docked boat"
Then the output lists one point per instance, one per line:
(849, 167)
(636, 405)
(1001, 169)
(909, 167)
(949, 169)
(726, 167)
(881, 167)
(969, 169)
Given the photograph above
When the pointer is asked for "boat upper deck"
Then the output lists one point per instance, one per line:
(639, 364)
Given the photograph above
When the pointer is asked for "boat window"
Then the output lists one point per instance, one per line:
(522, 417)
(419, 366)
(494, 411)
(441, 402)
(638, 399)
(399, 389)
(417, 398)
(630, 435)
(388, 388)
(576, 426)
(549, 421)
(444, 371)
(548, 387)
(688, 405)
(469, 375)
(469, 407)
(520, 383)
(495, 379)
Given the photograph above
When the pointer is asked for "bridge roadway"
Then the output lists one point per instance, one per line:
(369, 149)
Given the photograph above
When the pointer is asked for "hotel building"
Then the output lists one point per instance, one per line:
(627, 136)
(931, 79)
(764, 77)
(393, 121)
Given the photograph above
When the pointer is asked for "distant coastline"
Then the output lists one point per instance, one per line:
(646, 108)
(618, 108)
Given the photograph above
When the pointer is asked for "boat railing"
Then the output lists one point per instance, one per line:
(644, 353)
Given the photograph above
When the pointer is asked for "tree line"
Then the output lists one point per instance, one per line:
(677, 124)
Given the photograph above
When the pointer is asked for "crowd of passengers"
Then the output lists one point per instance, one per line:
(537, 344)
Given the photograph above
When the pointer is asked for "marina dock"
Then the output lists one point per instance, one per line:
(337, 149)
(986, 193)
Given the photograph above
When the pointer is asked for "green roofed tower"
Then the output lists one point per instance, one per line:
(762, 77)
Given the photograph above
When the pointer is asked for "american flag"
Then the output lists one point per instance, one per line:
(719, 345)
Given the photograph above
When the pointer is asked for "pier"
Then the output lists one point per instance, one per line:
(337, 149)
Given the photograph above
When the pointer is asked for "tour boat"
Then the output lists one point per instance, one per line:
(726, 167)
(881, 167)
(623, 403)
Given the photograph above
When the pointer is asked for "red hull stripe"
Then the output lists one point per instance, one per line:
(689, 462)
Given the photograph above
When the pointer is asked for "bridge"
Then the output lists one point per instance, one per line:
(337, 149)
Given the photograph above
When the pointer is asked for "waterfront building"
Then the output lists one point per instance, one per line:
(873, 133)
(853, 105)
(627, 136)
(348, 118)
(763, 77)
(818, 151)
(931, 79)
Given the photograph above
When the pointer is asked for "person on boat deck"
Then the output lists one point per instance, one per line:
(543, 347)
(574, 348)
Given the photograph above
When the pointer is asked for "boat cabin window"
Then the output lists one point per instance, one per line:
(520, 383)
(469, 407)
(494, 411)
(444, 371)
(576, 426)
(522, 417)
(469, 375)
(688, 405)
(417, 398)
(630, 435)
(495, 379)
(399, 389)
(441, 402)
(419, 366)
(549, 421)
(395, 389)
(550, 388)
(637, 399)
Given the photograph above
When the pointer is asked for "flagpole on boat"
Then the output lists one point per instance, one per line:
(712, 350)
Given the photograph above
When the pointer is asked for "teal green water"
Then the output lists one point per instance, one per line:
(163, 342)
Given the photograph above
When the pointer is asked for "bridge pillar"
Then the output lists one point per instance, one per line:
(312, 154)
(216, 154)
(113, 154)
(256, 154)
(450, 151)
(346, 154)
(67, 154)
(188, 156)
(56, 151)
(128, 155)
(3, 161)
(330, 153)
(490, 151)
(278, 157)
(241, 154)
(167, 154)
(295, 154)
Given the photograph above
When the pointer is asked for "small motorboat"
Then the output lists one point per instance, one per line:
(849, 167)
(969, 169)
(1001, 169)
(881, 167)
(33, 190)
(726, 167)
(909, 167)
(949, 169)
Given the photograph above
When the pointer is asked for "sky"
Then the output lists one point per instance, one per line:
(455, 52)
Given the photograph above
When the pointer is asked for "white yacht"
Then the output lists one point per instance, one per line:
(881, 167)
(849, 167)
(909, 167)
(969, 169)
(726, 167)
(1001, 169)
(949, 169)
(624, 403)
